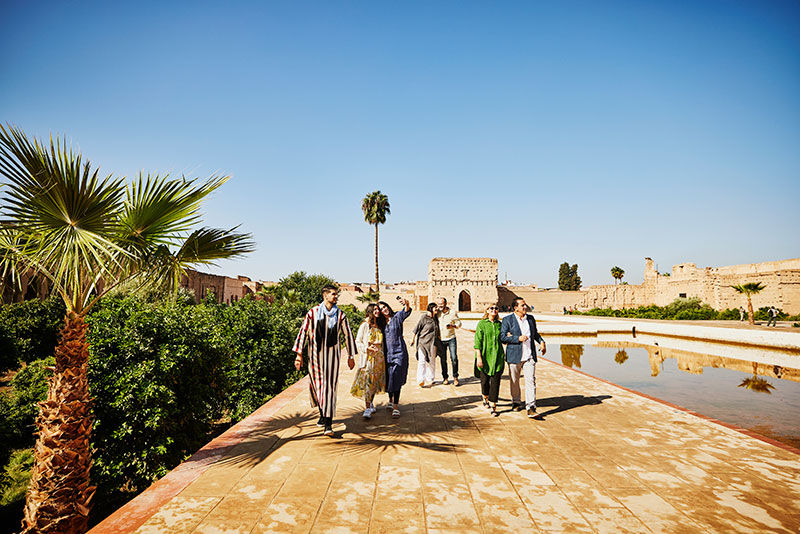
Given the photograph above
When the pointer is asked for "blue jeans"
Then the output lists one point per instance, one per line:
(451, 345)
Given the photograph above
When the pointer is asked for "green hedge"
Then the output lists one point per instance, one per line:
(166, 376)
(29, 331)
(681, 309)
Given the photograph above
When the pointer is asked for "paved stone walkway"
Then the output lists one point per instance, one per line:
(600, 459)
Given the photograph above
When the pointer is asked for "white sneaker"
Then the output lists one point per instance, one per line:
(367, 414)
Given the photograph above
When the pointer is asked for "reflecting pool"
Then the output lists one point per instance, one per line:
(762, 396)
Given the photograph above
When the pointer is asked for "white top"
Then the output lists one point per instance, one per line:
(446, 318)
(526, 331)
(362, 339)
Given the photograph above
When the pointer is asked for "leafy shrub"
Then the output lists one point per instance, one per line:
(19, 408)
(260, 336)
(158, 375)
(14, 481)
(29, 330)
(729, 314)
(679, 309)
(299, 288)
(762, 314)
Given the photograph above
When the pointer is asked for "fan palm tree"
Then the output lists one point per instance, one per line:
(621, 356)
(617, 273)
(749, 290)
(375, 207)
(756, 383)
(87, 235)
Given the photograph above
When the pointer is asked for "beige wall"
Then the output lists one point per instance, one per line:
(476, 277)
(710, 284)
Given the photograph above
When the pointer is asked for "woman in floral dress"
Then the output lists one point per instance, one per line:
(371, 374)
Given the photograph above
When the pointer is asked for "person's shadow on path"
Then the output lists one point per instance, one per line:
(566, 402)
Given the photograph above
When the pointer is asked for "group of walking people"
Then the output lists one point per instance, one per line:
(384, 357)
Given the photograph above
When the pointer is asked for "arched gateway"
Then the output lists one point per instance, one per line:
(464, 301)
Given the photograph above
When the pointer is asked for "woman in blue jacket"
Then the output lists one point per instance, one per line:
(396, 351)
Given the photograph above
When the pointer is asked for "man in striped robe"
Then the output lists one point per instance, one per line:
(322, 328)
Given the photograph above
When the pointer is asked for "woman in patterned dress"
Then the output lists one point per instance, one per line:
(371, 374)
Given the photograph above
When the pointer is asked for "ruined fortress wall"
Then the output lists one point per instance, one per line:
(547, 300)
(227, 290)
(448, 277)
(712, 285)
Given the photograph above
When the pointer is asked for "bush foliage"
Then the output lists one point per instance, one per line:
(166, 376)
(680, 309)
(29, 331)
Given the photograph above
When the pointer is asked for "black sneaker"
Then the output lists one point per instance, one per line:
(321, 421)
(328, 431)
(519, 407)
(531, 413)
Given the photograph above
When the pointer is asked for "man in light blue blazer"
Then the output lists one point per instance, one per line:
(518, 333)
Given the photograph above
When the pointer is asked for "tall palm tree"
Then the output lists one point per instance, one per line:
(617, 273)
(375, 207)
(757, 384)
(87, 235)
(749, 290)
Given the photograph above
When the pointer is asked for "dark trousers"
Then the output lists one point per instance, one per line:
(449, 346)
(490, 386)
(327, 421)
(394, 397)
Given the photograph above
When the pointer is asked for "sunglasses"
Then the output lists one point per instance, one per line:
(492, 307)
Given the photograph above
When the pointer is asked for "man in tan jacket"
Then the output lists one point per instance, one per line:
(448, 322)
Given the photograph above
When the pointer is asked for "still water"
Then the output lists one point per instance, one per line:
(761, 396)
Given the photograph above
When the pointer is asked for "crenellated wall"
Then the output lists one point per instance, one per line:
(712, 285)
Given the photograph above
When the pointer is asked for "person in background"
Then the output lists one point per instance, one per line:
(448, 322)
(426, 335)
(371, 375)
(322, 327)
(489, 363)
(518, 332)
(773, 316)
(742, 313)
(396, 351)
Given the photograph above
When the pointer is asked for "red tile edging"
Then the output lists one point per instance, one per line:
(142, 507)
(739, 429)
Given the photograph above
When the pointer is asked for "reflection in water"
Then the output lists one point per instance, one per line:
(706, 383)
(571, 355)
(757, 384)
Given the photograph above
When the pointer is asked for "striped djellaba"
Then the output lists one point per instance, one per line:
(323, 360)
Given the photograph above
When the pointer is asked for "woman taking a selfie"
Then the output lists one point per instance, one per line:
(396, 351)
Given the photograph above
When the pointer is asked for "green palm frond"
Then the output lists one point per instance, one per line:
(62, 211)
(88, 234)
(749, 288)
(158, 210)
(375, 206)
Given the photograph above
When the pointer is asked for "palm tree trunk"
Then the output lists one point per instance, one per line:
(59, 496)
(751, 317)
(377, 280)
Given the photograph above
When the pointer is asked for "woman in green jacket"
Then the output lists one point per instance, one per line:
(489, 360)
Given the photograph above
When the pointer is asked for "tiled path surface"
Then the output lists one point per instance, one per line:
(601, 459)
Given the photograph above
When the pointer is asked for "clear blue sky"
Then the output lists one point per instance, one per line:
(534, 132)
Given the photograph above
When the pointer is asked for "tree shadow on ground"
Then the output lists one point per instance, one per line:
(260, 439)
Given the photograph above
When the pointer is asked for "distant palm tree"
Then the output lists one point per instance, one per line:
(749, 290)
(375, 207)
(88, 235)
(617, 273)
(621, 356)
